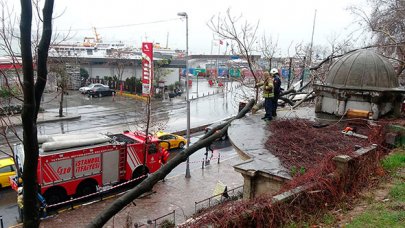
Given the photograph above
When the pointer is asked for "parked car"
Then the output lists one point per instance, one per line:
(212, 126)
(85, 89)
(176, 141)
(100, 92)
(7, 169)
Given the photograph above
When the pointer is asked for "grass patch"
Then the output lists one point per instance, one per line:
(394, 160)
(398, 192)
(390, 213)
(379, 216)
(328, 219)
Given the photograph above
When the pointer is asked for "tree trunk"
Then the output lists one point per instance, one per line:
(152, 179)
(31, 218)
(32, 100)
(61, 102)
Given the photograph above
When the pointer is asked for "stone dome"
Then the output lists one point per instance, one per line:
(362, 69)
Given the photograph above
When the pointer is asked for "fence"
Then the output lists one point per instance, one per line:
(164, 218)
(219, 198)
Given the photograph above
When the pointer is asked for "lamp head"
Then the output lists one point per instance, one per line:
(182, 14)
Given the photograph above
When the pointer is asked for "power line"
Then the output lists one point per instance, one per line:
(123, 26)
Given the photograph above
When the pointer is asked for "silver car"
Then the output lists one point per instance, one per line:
(85, 89)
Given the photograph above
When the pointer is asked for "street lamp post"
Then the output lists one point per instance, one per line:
(184, 14)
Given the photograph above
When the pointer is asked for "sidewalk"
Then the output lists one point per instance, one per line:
(177, 193)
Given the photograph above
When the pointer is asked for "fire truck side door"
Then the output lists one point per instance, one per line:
(110, 167)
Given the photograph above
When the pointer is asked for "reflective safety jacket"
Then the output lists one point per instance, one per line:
(20, 201)
(267, 88)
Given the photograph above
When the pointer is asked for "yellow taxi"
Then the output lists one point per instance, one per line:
(175, 141)
(7, 169)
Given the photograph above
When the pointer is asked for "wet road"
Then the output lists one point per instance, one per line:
(108, 114)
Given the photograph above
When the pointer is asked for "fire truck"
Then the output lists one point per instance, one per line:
(77, 165)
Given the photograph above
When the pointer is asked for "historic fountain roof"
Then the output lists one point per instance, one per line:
(362, 69)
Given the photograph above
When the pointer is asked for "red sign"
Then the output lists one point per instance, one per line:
(147, 68)
(10, 66)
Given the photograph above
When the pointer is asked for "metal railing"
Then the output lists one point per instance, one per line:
(218, 199)
(163, 218)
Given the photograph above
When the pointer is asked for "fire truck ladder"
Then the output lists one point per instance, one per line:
(122, 163)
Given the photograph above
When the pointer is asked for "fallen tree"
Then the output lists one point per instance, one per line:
(152, 179)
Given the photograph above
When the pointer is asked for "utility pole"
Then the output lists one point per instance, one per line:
(312, 40)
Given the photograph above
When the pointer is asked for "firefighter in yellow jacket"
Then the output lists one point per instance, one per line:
(20, 203)
(268, 95)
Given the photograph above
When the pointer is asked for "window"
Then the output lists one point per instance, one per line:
(89, 52)
(7, 169)
(171, 137)
(152, 149)
(164, 137)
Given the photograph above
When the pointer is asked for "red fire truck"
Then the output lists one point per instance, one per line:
(77, 165)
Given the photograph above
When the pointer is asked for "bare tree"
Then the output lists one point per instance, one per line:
(118, 60)
(58, 69)
(386, 22)
(268, 48)
(243, 38)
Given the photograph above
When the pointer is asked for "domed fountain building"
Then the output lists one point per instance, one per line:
(361, 80)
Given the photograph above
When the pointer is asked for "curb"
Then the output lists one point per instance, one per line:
(134, 96)
(198, 128)
(56, 119)
(53, 119)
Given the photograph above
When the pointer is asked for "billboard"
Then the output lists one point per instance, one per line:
(147, 68)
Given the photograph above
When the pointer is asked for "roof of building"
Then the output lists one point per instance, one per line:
(362, 69)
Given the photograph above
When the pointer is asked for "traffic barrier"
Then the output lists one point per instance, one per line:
(93, 194)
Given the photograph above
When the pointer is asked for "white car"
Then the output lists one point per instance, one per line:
(85, 89)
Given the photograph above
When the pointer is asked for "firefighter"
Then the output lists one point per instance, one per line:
(164, 157)
(20, 203)
(277, 90)
(42, 207)
(268, 95)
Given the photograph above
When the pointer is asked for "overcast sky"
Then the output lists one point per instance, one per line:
(134, 21)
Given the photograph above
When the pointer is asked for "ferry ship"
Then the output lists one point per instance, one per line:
(94, 47)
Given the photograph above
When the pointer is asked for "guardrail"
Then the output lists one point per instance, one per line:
(212, 201)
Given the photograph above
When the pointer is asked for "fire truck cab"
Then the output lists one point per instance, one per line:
(77, 165)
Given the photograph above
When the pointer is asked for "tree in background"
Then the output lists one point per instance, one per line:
(268, 48)
(160, 73)
(84, 75)
(243, 37)
(386, 22)
(58, 68)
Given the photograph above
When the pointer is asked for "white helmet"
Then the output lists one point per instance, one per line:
(19, 190)
(273, 71)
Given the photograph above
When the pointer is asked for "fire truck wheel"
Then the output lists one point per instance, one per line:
(181, 145)
(55, 195)
(86, 187)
